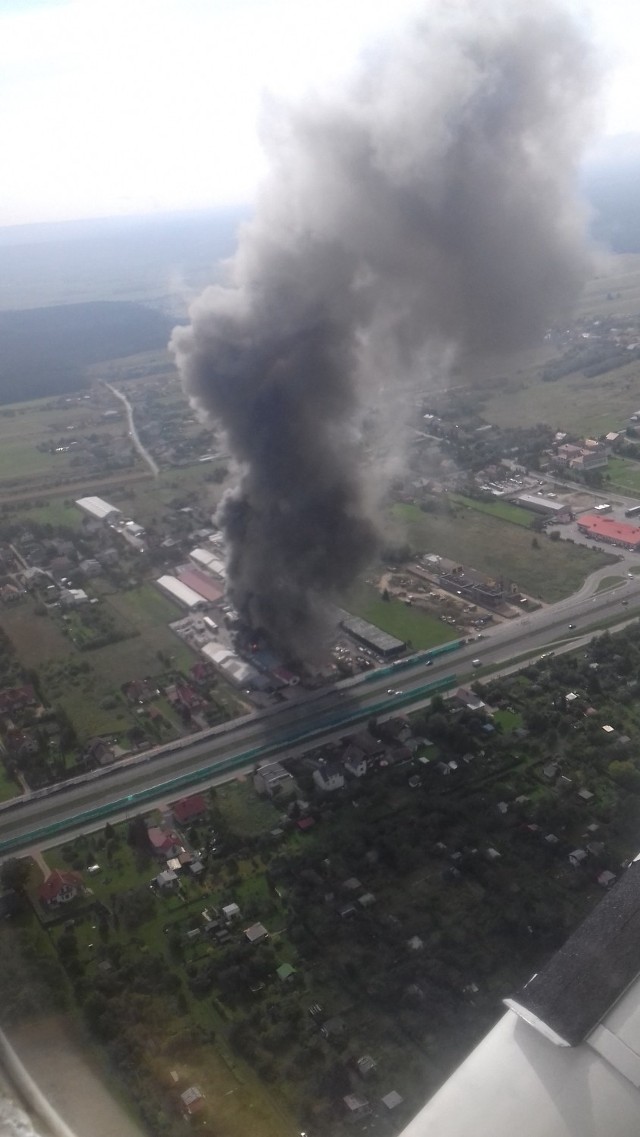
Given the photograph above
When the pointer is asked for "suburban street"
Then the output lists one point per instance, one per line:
(294, 728)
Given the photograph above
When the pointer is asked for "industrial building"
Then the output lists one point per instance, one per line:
(473, 588)
(181, 593)
(371, 636)
(209, 589)
(97, 508)
(233, 668)
(546, 505)
(610, 531)
(203, 559)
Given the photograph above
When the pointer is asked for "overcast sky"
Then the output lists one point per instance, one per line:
(131, 106)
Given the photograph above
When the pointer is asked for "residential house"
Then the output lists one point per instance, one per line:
(192, 1101)
(365, 1065)
(465, 697)
(167, 880)
(392, 1100)
(60, 887)
(272, 780)
(356, 1107)
(14, 699)
(97, 752)
(285, 972)
(371, 747)
(164, 842)
(577, 857)
(140, 691)
(256, 933)
(329, 777)
(355, 761)
(189, 808)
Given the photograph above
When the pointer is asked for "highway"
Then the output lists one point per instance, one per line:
(293, 728)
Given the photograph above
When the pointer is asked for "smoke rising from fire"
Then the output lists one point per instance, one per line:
(428, 211)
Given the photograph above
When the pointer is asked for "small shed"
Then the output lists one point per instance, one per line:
(256, 933)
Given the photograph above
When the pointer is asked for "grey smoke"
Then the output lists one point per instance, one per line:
(430, 211)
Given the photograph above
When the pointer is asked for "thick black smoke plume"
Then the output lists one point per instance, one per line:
(430, 210)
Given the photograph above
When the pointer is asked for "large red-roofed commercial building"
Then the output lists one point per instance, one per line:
(609, 530)
(204, 585)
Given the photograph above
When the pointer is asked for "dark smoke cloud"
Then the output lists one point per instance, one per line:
(429, 210)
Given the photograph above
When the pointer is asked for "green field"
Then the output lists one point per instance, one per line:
(57, 512)
(503, 509)
(608, 582)
(245, 812)
(586, 406)
(550, 572)
(8, 787)
(396, 618)
(624, 474)
(508, 720)
(147, 607)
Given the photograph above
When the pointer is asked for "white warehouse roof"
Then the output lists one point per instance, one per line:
(235, 669)
(96, 507)
(208, 561)
(217, 654)
(180, 592)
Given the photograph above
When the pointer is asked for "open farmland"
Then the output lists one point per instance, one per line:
(549, 572)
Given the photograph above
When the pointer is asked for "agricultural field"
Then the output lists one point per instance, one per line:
(549, 570)
(573, 403)
(418, 628)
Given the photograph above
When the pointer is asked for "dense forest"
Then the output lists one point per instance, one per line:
(46, 351)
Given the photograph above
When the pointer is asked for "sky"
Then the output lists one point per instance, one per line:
(112, 107)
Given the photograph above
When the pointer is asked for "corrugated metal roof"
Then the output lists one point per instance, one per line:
(180, 592)
(96, 506)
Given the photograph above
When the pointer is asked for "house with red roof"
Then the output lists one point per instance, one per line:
(164, 842)
(188, 808)
(60, 887)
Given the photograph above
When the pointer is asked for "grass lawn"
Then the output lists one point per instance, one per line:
(54, 512)
(20, 459)
(8, 788)
(245, 812)
(147, 607)
(508, 720)
(574, 403)
(502, 509)
(550, 572)
(625, 474)
(609, 582)
(407, 623)
(35, 638)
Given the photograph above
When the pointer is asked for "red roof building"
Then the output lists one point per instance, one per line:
(60, 887)
(189, 808)
(609, 530)
(202, 584)
(164, 842)
(14, 698)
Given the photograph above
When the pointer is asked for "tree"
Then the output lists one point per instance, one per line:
(15, 874)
